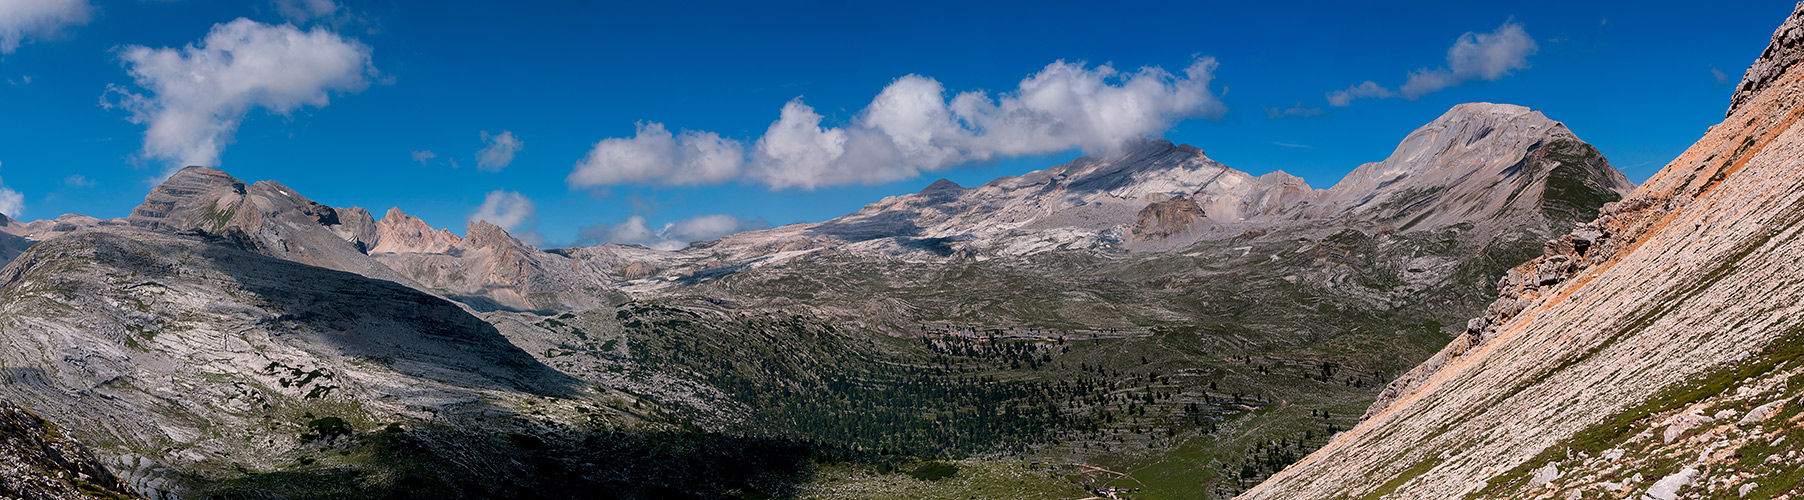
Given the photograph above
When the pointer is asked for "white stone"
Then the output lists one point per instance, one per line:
(1761, 413)
(1667, 488)
(1545, 474)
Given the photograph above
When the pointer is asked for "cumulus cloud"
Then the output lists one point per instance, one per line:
(305, 10)
(507, 209)
(511, 211)
(423, 156)
(1275, 112)
(654, 156)
(671, 236)
(11, 202)
(21, 20)
(913, 127)
(196, 96)
(1365, 90)
(78, 181)
(499, 152)
(1473, 57)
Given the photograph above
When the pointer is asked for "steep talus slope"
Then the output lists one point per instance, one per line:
(39, 462)
(181, 354)
(1652, 353)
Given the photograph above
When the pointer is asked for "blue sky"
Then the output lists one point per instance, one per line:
(354, 89)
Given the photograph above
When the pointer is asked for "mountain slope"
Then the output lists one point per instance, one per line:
(1653, 352)
(186, 355)
(39, 462)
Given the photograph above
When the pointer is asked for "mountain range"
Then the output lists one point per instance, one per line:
(1151, 309)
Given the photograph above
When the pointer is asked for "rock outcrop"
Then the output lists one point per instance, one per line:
(489, 269)
(398, 232)
(1785, 51)
(39, 462)
(1622, 354)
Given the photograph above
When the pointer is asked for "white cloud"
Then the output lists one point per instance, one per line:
(304, 10)
(1366, 89)
(78, 181)
(500, 151)
(197, 95)
(1474, 56)
(654, 156)
(21, 20)
(1275, 112)
(912, 127)
(423, 156)
(508, 210)
(11, 202)
(671, 236)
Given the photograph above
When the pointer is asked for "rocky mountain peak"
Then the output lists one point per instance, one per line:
(398, 232)
(482, 234)
(942, 185)
(175, 201)
(1470, 160)
(1786, 50)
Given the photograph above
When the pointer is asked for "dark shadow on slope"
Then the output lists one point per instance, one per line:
(882, 225)
(377, 321)
(510, 459)
(483, 303)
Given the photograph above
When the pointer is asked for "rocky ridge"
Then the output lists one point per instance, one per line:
(1470, 164)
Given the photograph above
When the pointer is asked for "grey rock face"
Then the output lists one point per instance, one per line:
(265, 217)
(1786, 49)
(39, 462)
(190, 351)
